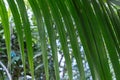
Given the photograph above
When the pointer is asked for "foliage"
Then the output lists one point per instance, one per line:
(94, 24)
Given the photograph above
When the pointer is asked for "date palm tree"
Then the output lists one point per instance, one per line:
(97, 23)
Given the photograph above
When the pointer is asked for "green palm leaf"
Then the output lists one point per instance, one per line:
(5, 23)
(96, 21)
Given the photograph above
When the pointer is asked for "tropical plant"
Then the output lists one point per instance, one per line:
(95, 22)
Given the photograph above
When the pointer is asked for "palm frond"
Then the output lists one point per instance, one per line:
(96, 21)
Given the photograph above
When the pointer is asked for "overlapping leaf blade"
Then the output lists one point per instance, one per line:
(41, 30)
(18, 26)
(28, 36)
(104, 23)
(5, 23)
(73, 39)
(52, 37)
(61, 31)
